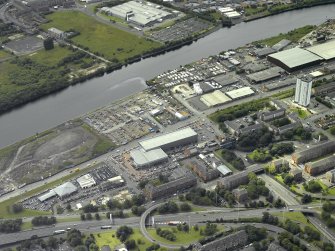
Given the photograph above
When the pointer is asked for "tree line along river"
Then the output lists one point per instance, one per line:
(76, 100)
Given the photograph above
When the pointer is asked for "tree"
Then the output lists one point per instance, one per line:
(80, 248)
(48, 43)
(17, 208)
(89, 216)
(97, 216)
(130, 244)
(306, 198)
(185, 207)
(52, 242)
(288, 180)
(123, 232)
(82, 217)
(68, 207)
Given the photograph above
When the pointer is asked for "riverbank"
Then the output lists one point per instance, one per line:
(298, 6)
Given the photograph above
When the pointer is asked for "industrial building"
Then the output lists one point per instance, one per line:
(224, 170)
(61, 191)
(241, 178)
(281, 44)
(215, 98)
(170, 188)
(303, 91)
(294, 59)
(139, 13)
(279, 84)
(314, 152)
(324, 50)
(170, 140)
(265, 75)
(111, 183)
(86, 181)
(43, 5)
(263, 52)
(240, 93)
(320, 166)
(56, 33)
(148, 158)
(324, 89)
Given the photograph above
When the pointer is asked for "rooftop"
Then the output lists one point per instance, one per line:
(65, 189)
(142, 158)
(167, 138)
(215, 98)
(224, 169)
(295, 57)
(325, 50)
(241, 92)
(86, 180)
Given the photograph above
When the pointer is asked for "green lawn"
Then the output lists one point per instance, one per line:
(106, 238)
(4, 54)
(303, 114)
(98, 37)
(50, 57)
(183, 238)
(294, 216)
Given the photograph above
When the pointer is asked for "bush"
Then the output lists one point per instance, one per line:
(123, 232)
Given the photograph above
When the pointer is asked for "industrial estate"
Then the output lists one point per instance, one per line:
(235, 151)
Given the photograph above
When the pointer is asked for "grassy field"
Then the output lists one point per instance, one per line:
(183, 238)
(109, 238)
(50, 57)
(303, 114)
(98, 37)
(294, 216)
(293, 35)
(4, 54)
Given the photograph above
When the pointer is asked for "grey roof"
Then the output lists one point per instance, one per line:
(158, 142)
(325, 50)
(275, 247)
(47, 196)
(241, 92)
(224, 169)
(264, 75)
(295, 57)
(264, 51)
(65, 189)
(281, 44)
(142, 158)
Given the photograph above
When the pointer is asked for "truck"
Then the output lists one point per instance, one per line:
(59, 231)
(106, 227)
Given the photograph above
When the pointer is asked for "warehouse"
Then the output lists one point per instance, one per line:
(146, 159)
(265, 75)
(65, 189)
(320, 166)
(140, 13)
(86, 181)
(263, 52)
(314, 152)
(170, 140)
(281, 44)
(280, 84)
(240, 93)
(325, 50)
(215, 98)
(294, 59)
(324, 89)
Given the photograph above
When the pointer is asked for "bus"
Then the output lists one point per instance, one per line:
(59, 231)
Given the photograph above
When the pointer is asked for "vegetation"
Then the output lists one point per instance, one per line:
(281, 122)
(293, 35)
(166, 234)
(43, 220)
(332, 130)
(232, 158)
(256, 139)
(48, 44)
(203, 197)
(324, 102)
(10, 226)
(168, 207)
(123, 232)
(256, 187)
(97, 37)
(313, 186)
(298, 134)
(306, 198)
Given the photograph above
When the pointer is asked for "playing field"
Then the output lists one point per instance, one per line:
(98, 37)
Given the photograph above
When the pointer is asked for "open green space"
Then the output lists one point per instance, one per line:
(109, 238)
(294, 216)
(182, 238)
(4, 54)
(303, 114)
(100, 38)
(50, 57)
(293, 35)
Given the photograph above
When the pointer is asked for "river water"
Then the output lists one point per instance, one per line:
(76, 100)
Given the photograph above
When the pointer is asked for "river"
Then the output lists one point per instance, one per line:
(79, 99)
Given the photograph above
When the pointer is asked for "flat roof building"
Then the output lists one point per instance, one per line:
(314, 152)
(240, 93)
(294, 59)
(139, 13)
(265, 75)
(215, 98)
(86, 181)
(324, 50)
(281, 44)
(148, 158)
(320, 166)
(330, 176)
(170, 140)
(263, 52)
(303, 90)
(65, 189)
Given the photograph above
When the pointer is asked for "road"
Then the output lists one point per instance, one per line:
(329, 234)
(287, 196)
